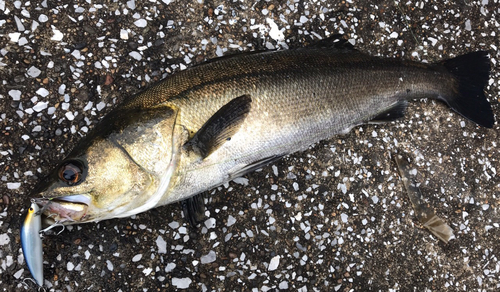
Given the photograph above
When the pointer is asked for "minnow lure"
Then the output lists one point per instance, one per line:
(32, 243)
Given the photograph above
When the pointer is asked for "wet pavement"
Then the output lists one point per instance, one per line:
(333, 218)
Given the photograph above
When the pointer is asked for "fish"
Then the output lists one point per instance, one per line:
(31, 243)
(216, 121)
(423, 212)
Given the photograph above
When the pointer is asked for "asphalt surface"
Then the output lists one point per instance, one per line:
(333, 218)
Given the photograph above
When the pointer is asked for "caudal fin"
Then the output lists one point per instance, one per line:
(472, 72)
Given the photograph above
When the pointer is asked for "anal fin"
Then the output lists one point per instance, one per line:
(394, 112)
(254, 166)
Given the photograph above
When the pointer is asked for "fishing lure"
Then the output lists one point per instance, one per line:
(32, 243)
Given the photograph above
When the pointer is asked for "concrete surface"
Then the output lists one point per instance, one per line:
(333, 218)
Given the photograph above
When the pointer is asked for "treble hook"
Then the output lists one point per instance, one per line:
(58, 223)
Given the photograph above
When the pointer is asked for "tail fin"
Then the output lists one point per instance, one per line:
(472, 72)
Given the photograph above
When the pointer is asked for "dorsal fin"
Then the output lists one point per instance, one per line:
(336, 42)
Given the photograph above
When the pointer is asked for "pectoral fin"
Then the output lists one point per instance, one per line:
(220, 127)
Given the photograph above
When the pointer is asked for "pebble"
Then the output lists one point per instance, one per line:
(14, 37)
(13, 185)
(273, 265)
(136, 55)
(181, 283)
(208, 258)
(162, 245)
(15, 94)
(40, 106)
(141, 23)
(34, 71)
(58, 35)
(4, 239)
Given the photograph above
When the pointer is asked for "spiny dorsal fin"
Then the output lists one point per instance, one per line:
(336, 42)
(394, 112)
(220, 127)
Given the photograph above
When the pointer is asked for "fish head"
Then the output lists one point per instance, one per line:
(109, 175)
(92, 186)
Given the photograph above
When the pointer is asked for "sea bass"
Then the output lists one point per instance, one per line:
(217, 121)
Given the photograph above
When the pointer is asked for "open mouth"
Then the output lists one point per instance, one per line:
(64, 210)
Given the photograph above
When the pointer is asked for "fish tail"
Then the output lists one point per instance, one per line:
(471, 71)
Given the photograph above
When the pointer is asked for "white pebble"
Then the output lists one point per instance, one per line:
(4, 239)
(394, 35)
(230, 220)
(14, 37)
(219, 52)
(43, 18)
(275, 33)
(34, 71)
(170, 267)
(344, 217)
(22, 41)
(141, 23)
(109, 264)
(283, 285)
(19, 24)
(14, 185)
(69, 116)
(40, 106)
(210, 223)
(181, 283)
(342, 187)
(123, 34)
(147, 271)
(467, 25)
(137, 258)
(70, 266)
(100, 106)
(273, 265)
(162, 245)
(136, 55)
(131, 4)
(19, 273)
(208, 258)
(15, 94)
(42, 92)
(58, 35)
(241, 181)
(174, 225)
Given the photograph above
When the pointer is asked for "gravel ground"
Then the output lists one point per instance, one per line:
(333, 218)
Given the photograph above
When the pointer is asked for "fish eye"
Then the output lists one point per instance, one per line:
(71, 172)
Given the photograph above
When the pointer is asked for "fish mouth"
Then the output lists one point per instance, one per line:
(64, 210)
